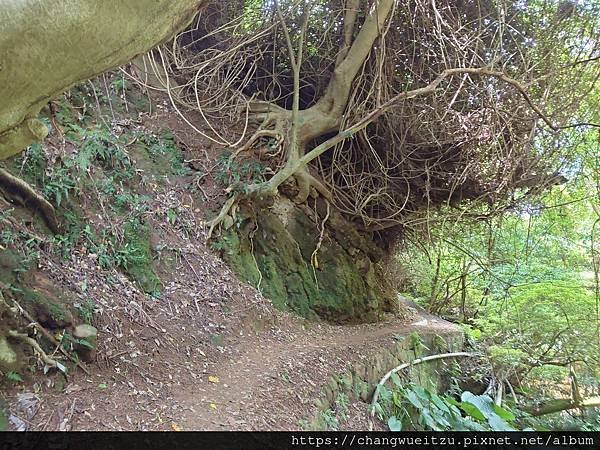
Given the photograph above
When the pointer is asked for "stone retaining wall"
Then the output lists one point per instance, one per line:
(360, 380)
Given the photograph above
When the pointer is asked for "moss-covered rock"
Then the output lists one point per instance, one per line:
(136, 257)
(47, 47)
(35, 292)
(274, 252)
(87, 337)
(38, 295)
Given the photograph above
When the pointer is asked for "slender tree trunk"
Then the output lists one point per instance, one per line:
(326, 115)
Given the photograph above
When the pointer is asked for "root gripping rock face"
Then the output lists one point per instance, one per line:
(275, 252)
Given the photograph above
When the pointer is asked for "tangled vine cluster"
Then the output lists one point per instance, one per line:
(390, 109)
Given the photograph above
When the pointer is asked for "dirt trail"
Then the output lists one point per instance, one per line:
(271, 381)
(157, 362)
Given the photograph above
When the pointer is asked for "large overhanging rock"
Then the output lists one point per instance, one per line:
(48, 46)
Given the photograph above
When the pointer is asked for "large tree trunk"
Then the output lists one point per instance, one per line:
(298, 128)
(48, 46)
(326, 115)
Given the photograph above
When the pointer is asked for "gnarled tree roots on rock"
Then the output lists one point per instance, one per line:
(404, 134)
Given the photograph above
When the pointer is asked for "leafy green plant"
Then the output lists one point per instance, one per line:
(223, 243)
(341, 405)
(409, 406)
(14, 377)
(98, 144)
(29, 247)
(128, 255)
(59, 184)
(69, 340)
(7, 237)
(416, 342)
(544, 323)
(329, 420)
(119, 84)
(163, 148)
(360, 386)
(32, 162)
(172, 216)
(232, 172)
(524, 288)
(86, 310)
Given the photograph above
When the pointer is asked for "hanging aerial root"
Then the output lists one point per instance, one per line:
(314, 260)
(18, 191)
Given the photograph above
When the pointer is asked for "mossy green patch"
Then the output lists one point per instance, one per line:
(9, 358)
(344, 286)
(11, 263)
(158, 155)
(135, 257)
(52, 306)
(34, 291)
(217, 340)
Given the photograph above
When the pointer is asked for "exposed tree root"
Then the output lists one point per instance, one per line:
(227, 207)
(275, 134)
(402, 136)
(36, 347)
(18, 309)
(296, 164)
(18, 191)
(5, 307)
(305, 182)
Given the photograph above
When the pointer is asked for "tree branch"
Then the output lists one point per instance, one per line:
(336, 97)
(351, 9)
(410, 364)
(289, 170)
(561, 404)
